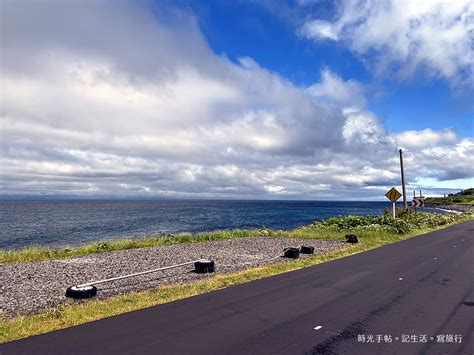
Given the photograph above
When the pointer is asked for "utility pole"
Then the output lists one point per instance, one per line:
(405, 205)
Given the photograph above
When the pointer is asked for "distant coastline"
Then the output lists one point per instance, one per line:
(460, 202)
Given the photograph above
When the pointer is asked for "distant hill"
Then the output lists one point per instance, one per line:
(465, 197)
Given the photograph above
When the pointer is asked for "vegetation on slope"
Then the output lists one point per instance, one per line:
(465, 197)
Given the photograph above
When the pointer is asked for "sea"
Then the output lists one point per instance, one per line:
(74, 222)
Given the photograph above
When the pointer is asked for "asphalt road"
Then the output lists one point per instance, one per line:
(420, 289)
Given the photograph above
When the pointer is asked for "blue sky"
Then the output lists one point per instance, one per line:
(422, 105)
(266, 32)
(300, 99)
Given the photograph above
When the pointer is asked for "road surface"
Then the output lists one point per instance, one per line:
(416, 296)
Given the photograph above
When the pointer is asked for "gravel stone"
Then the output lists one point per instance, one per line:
(31, 287)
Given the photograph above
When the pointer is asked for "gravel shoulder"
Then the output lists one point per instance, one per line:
(27, 288)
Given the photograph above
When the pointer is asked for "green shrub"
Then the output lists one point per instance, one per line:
(405, 222)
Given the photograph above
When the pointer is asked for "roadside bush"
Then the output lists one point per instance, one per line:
(405, 221)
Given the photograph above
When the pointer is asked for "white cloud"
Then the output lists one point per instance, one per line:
(436, 36)
(101, 100)
(320, 29)
(362, 128)
(334, 89)
(426, 138)
(450, 162)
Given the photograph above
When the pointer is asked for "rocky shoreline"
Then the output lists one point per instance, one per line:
(31, 287)
(457, 208)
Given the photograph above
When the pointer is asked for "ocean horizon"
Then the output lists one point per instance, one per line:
(58, 222)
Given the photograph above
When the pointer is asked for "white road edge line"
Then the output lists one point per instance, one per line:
(317, 327)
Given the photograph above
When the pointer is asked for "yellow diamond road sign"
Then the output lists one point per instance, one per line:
(393, 195)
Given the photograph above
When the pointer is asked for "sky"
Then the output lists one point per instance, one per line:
(300, 99)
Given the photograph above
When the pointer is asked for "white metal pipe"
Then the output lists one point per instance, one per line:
(137, 274)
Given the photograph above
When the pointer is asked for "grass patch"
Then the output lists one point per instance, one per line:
(38, 253)
(67, 316)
